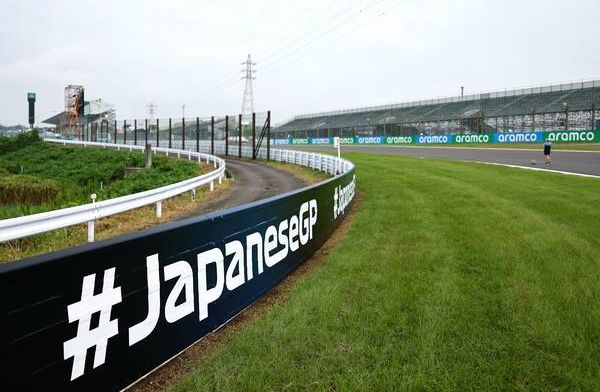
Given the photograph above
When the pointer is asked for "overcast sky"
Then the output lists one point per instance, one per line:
(312, 55)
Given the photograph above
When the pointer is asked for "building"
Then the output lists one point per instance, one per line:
(571, 106)
(96, 124)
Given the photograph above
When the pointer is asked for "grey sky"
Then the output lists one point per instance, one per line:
(328, 54)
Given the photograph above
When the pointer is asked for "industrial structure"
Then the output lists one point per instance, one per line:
(568, 106)
(84, 120)
(248, 99)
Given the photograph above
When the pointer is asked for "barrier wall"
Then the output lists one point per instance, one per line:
(500, 138)
(102, 315)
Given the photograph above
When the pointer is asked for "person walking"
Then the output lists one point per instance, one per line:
(547, 152)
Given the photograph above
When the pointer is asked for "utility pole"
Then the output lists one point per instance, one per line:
(462, 91)
(248, 75)
(182, 111)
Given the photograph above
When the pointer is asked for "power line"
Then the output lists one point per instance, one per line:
(328, 31)
(352, 30)
(216, 90)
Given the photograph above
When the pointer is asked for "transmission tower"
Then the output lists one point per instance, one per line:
(248, 100)
(152, 109)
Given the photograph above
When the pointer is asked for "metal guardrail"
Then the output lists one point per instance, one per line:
(25, 226)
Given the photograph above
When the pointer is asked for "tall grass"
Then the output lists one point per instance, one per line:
(35, 176)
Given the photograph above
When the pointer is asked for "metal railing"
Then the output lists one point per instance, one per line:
(29, 225)
(25, 226)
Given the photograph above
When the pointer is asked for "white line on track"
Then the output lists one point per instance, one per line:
(537, 169)
(467, 148)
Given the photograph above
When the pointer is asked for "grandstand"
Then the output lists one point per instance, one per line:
(572, 106)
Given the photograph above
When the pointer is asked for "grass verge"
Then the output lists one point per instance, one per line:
(453, 276)
(127, 222)
(310, 176)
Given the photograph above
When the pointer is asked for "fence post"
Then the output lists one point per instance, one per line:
(268, 135)
(212, 135)
(170, 134)
(593, 117)
(253, 135)
(157, 133)
(124, 131)
(226, 135)
(197, 134)
(183, 133)
(240, 136)
(115, 132)
(135, 132)
(146, 128)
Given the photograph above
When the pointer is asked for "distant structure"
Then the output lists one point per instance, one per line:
(151, 109)
(567, 106)
(74, 102)
(92, 120)
(248, 100)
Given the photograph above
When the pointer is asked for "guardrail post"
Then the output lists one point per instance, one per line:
(212, 185)
(220, 179)
(90, 231)
(159, 209)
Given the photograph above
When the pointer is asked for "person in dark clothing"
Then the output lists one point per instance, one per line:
(547, 152)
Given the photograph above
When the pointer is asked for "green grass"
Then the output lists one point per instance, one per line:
(454, 276)
(535, 146)
(37, 177)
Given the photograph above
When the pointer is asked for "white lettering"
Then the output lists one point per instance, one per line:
(206, 295)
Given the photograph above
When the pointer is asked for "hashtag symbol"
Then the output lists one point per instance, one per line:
(82, 312)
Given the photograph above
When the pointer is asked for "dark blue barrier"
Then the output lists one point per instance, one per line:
(102, 315)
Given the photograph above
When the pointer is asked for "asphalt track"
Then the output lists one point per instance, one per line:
(252, 181)
(582, 162)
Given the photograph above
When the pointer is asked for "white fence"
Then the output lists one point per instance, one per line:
(25, 226)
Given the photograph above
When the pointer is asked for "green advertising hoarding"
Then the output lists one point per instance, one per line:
(573, 136)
